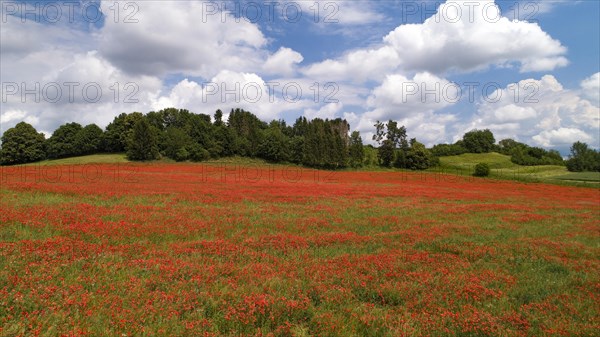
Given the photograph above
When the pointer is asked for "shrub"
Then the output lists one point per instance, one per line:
(482, 170)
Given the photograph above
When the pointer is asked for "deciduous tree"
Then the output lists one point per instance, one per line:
(22, 144)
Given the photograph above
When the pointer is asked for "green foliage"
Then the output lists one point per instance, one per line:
(296, 149)
(479, 141)
(174, 141)
(248, 131)
(181, 154)
(142, 144)
(443, 150)
(89, 139)
(370, 156)
(401, 158)
(218, 117)
(482, 170)
(523, 154)
(197, 153)
(583, 159)
(418, 157)
(181, 135)
(395, 149)
(535, 156)
(338, 138)
(22, 144)
(224, 142)
(63, 142)
(200, 129)
(300, 127)
(390, 137)
(275, 146)
(356, 150)
(391, 132)
(507, 146)
(118, 133)
(325, 142)
(71, 140)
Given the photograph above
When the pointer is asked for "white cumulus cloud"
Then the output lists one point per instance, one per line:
(283, 62)
(538, 112)
(591, 88)
(463, 36)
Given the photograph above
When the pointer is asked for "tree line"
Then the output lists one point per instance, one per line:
(181, 135)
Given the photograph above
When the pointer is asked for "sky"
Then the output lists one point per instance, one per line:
(527, 70)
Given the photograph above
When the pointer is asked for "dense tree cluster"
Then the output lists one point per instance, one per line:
(583, 158)
(523, 154)
(442, 150)
(395, 149)
(475, 141)
(22, 144)
(479, 141)
(181, 135)
(72, 139)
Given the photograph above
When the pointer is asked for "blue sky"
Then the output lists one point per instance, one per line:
(366, 60)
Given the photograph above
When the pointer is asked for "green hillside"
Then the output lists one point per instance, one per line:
(503, 168)
(581, 176)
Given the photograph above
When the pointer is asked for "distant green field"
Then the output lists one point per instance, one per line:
(91, 159)
(501, 167)
(581, 176)
(468, 160)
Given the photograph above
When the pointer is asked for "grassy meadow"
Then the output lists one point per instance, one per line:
(502, 168)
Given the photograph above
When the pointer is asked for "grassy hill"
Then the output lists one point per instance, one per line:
(502, 168)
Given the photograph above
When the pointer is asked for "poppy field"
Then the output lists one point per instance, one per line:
(259, 250)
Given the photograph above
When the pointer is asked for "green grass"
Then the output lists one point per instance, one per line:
(110, 158)
(502, 168)
(468, 160)
(581, 176)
